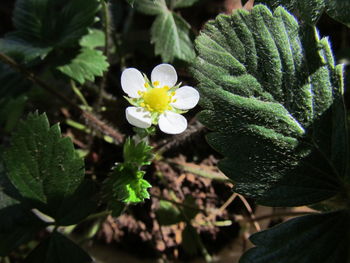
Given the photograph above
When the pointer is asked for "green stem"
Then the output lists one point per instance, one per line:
(201, 172)
(79, 94)
(106, 26)
(98, 215)
(88, 116)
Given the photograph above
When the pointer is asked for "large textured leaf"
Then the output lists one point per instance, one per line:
(46, 170)
(88, 64)
(58, 249)
(278, 116)
(169, 32)
(311, 10)
(315, 238)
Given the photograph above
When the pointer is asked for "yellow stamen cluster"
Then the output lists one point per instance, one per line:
(157, 99)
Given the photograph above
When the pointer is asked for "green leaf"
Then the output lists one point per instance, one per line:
(190, 240)
(95, 38)
(58, 249)
(17, 225)
(339, 10)
(13, 84)
(311, 10)
(151, 7)
(131, 2)
(88, 64)
(22, 51)
(168, 214)
(184, 3)
(188, 212)
(170, 35)
(53, 23)
(299, 240)
(275, 103)
(45, 168)
(11, 111)
(138, 154)
(169, 32)
(126, 184)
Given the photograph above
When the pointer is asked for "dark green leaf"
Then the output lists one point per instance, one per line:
(10, 112)
(339, 10)
(117, 208)
(86, 66)
(17, 225)
(190, 209)
(190, 240)
(44, 167)
(168, 214)
(53, 23)
(278, 116)
(131, 2)
(311, 10)
(22, 51)
(315, 238)
(58, 249)
(13, 84)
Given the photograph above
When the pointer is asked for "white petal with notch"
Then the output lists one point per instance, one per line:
(132, 81)
(172, 123)
(185, 98)
(165, 74)
(138, 117)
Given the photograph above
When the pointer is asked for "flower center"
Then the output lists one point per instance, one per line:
(157, 99)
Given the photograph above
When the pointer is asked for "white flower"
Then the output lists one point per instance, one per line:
(159, 101)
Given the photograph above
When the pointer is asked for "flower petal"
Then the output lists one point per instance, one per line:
(138, 117)
(165, 74)
(185, 98)
(132, 81)
(172, 123)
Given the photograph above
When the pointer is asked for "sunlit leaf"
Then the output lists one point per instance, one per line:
(278, 116)
(87, 65)
(46, 171)
(169, 32)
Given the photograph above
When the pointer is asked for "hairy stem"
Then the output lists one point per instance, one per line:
(91, 118)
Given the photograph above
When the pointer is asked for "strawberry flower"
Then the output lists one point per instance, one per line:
(159, 101)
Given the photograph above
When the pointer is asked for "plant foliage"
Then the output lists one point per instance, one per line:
(311, 10)
(169, 32)
(58, 249)
(276, 108)
(47, 172)
(125, 183)
(89, 62)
